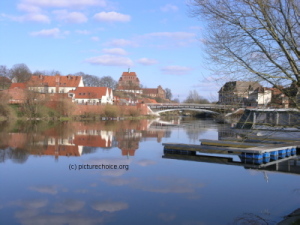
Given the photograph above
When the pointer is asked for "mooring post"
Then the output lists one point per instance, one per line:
(254, 120)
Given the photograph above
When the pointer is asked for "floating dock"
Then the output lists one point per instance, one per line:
(256, 153)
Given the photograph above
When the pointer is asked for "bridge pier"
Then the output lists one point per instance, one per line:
(269, 117)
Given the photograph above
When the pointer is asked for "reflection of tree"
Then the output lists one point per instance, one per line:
(168, 133)
(88, 150)
(193, 134)
(252, 219)
(17, 155)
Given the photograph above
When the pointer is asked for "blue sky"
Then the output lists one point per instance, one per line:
(156, 39)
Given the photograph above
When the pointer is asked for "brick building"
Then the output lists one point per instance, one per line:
(129, 82)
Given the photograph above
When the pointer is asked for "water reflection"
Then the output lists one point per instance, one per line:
(37, 186)
(76, 139)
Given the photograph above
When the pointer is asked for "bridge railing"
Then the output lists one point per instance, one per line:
(188, 105)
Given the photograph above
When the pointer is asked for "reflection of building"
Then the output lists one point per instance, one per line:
(77, 138)
(156, 134)
(128, 141)
(92, 141)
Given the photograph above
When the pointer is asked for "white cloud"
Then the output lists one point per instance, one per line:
(32, 204)
(109, 206)
(146, 61)
(64, 3)
(85, 32)
(94, 38)
(176, 70)
(28, 8)
(34, 17)
(70, 17)
(110, 60)
(55, 32)
(121, 43)
(146, 162)
(115, 51)
(175, 35)
(45, 189)
(68, 205)
(112, 17)
(37, 18)
(169, 8)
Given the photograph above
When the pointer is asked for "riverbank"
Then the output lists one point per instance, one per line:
(74, 112)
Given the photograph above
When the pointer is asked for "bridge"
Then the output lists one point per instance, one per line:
(158, 108)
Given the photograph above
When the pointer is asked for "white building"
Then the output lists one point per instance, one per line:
(54, 84)
(92, 95)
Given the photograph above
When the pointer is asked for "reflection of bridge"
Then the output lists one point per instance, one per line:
(158, 108)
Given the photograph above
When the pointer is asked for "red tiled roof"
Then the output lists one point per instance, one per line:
(53, 81)
(276, 91)
(17, 85)
(91, 141)
(128, 74)
(90, 92)
(58, 150)
(4, 79)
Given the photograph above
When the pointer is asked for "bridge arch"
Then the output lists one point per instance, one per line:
(185, 109)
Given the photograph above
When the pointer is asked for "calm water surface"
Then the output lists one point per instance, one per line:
(116, 172)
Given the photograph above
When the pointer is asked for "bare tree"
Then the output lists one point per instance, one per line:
(168, 93)
(4, 71)
(108, 81)
(255, 38)
(194, 97)
(89, 80)
(46, 72)
(33, 103)
(20, 73)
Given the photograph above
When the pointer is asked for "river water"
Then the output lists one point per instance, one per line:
(116, 172)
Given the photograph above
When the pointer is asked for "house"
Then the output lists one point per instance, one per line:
(92, 95)
(236, 92)
(54, 84)
(16, 93)
(279, 99)
(158, 92)
(261, 96)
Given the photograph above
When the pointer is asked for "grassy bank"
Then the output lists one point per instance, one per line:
(42, 112)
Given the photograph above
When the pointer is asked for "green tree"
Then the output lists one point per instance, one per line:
(258, 39)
